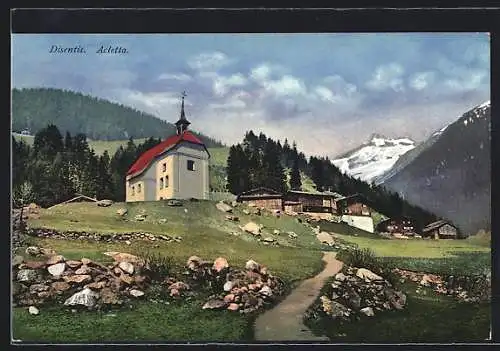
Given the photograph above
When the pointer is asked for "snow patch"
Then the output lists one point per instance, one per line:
(375, 158)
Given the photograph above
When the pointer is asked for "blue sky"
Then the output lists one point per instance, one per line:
(329, 92)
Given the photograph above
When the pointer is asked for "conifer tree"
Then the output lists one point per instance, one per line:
(295, 181)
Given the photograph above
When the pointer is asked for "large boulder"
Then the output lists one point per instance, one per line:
(104, 203)
(252, 228)
(86, 297)
(221, 206)
(366, 274)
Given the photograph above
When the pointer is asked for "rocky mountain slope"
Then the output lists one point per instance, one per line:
(374, 158)
(449, 174)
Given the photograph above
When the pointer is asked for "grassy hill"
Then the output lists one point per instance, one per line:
(206, 233)
(98, 119)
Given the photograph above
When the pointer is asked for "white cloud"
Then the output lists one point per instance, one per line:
(324, 93)
(285, 86)
(387, 77)
(209, 61)
(467, 80)
(179, 76)
(421, 80)
(221, 85)
(260, 73)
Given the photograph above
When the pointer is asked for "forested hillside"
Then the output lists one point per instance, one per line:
(35, 108)
(259, 161)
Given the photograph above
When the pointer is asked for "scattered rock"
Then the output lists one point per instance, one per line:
(126, 267)
(251, 265)
(34, 264)
(162, 221)
(232, 218)
(364, 273)
(33, 251)
(121, 212)
(78, 279)
(84, 269)
(57, 269)
(367, 311)
(27, 275)
(86, 298)
(220, 264)
(276, 232)
(340, 277)
(228, 286)
(104, 203)
(221, 206)
(214, 304)
(174, 203)
(140, 218)
(233, 307)
(17, 260)
(86, 261)
(33, 310)
(73, 264)
(252, 228)
(136, 293)
(60, 286)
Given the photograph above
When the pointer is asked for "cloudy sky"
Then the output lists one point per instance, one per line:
(329, 92)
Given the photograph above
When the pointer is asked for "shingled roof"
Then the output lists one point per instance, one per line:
(147, 157)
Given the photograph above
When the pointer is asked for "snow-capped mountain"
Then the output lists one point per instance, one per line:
(449, 174)
(374, 158)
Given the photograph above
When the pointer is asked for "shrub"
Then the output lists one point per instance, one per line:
(158, 266)
(365, 258)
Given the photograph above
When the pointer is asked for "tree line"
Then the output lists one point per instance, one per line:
(259, 161)
(34, 108)
(54, 168)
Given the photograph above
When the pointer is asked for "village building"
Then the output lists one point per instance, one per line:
(354, 211)
(402, 225)
(302, 201)
(262, 198)
(177, 168)
(441, 229)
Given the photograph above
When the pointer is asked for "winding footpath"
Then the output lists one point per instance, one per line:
(284, 321)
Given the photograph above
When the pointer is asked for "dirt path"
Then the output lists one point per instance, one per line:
(284, 321)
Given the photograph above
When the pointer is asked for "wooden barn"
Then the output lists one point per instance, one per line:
(403, 225)
(353, 205)
(442, 229)
(323, 202)
(262, 198)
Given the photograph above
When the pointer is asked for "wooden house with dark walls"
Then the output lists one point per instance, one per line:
(262, 198)
(403, 225)
(441, 229)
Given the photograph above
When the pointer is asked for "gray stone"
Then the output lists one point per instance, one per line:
(340, 277)
(228, 286)
(174, 203)
(221, 206)
(33, 251)
(121, 211)
(33, 310)
(252, 228)
(266, 291)
(86, 298)
(136, 293)
(215, 304)
(27, 275)
(57, 269)
(17, 260)
(366, 274)
(104, 203)
(251, 265)
(127, 267)
(367, 311)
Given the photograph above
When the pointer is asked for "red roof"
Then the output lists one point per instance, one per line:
(145, 159)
